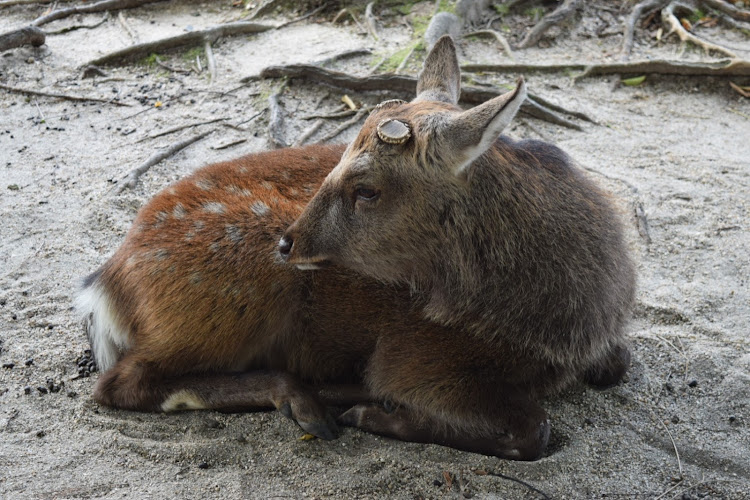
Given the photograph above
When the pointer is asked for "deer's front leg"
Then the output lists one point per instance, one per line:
(521, 443)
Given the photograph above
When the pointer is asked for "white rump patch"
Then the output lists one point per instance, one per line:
(107, 337)
(182, 400)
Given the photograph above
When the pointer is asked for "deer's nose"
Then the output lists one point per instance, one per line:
(285, 246)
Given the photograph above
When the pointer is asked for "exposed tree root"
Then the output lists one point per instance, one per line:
(728, 9)
(211, 61)
(182, 40)
(67, 97)
(401, 83)
(131, 180)
(724, 67)
(638, 11)
(11, 3)
(344, 55)
(126, 26)
(349, 123)
(670, 19)
(30, 35)
(275, 121)
(308, 133)
(75, 27)
(372, 23)
(88, 9)
(497, 35)
(561, 13)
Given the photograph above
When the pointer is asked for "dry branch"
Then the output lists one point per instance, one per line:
(67, 97)
(30, 35)
(130, 181)
(88, 9)
(372, 23)
(669, 18)
(211, 60)
(126, 26)
(728, 9)
(11, 3)
(724, 67)
(308, 133)
(399, 83)
(275, 121)
(185, 39)
(349, 123)
(497, 35)
(564, 11)
(635, 14)
(344, 55)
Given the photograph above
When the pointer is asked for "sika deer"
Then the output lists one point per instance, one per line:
(466, 275)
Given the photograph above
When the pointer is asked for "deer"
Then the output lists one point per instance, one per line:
(433, 280)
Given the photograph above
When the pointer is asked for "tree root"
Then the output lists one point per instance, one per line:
(372, 23)
(308, 133)
(88, 9)
(275, 121)
(67, 97)
(131, 180)
(498, 36)
(401, 83)
(640, 9)
(724, 67)
(349, 123)
(185, 39)
(561, 13)
(30, 35)
(670, 19)
(728, 9)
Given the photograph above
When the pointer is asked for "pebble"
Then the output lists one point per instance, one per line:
(9, 366)
(203, 465)
(693, 383)
(29, 362)
(27, 390)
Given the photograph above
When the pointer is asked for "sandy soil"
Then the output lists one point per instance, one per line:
(678, 147)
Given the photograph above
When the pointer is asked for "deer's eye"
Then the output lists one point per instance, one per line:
(366, 194)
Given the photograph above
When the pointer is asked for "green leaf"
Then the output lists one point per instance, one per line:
(635, 81)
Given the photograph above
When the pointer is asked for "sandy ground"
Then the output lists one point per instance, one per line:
(677, 427)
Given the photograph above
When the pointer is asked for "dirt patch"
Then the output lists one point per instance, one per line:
(677, 147)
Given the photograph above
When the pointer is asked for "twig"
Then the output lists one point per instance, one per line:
(670, 489)
(184, 39)
(640, 217)
(166, 66)
(88, 9)
(729, 9)
(131, 179)
(516, 480)
(343, 55)
(229, 144)
(124, 23)
(674, 445)
(30, 35)
(669, 18)
(498, 36)
(372, 23)
(533, 108)
(275, 121)
(556, 107)
(352, 121)
(723, 67)
(61, 96)
(75, 27)
(264, 8)
(335, 114)
(11, 3)
(565, 10)
(302, 18)
(181, 127)
(211, 62)
(406, 58)
(308, 133)
(629, 30)
(397, 83)
(342, 13)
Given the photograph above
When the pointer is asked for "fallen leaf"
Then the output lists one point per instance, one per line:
(480, 472)
(157, 104)
(686, 24)
(635, 81)
(306, 437)
(448, 478)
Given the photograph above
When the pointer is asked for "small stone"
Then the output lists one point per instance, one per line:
(42, 390)
(30, 60)
(9, 366)
(203, 465)
(72, 394)
(669, 387)
(675, 419)
(29, 362)
(27, 390)
(41, 434)
(693, 383)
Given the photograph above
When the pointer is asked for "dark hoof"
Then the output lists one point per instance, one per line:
(327, 430)
(609, 371)
(534, 447)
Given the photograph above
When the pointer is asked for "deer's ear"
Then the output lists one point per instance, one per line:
(440, 79)
(469, 134)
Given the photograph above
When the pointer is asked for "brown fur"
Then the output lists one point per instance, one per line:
(459, 296)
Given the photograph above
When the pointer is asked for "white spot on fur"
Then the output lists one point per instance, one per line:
(267, 185)
(204, 184)
(107, 337)
(234, 233)
(178, 212)
(214, 207)
(259, 208)
(182, 400)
